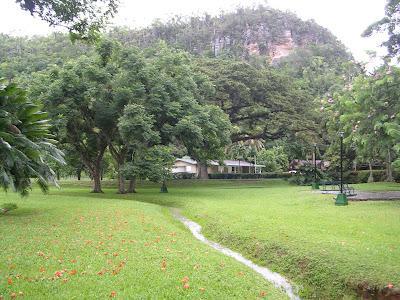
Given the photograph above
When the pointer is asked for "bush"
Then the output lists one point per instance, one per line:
(305, 175)
(363, 175)
(283, 175)
(6, 207)
(183, 176)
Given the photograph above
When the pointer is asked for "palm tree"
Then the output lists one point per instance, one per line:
(255, 146)
(243, 149)
(26, 145)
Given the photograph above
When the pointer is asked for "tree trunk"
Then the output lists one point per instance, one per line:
(96, 181)
(121, 183)
(79, 173)
(389, 170)
(132, 186)
(164, 188)
(371, 174)
(203, 172)
(58, 175)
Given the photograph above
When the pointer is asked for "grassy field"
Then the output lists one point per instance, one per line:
(73, 244)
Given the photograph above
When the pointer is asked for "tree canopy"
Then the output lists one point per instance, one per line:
(82, 18)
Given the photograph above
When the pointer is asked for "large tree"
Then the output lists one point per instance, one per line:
(262, 103)
(74, 98)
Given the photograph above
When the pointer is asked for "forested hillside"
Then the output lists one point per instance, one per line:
(261, 33)
(245, 32)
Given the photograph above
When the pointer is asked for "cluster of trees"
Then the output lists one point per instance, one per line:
(368, 113)
(139, 107)
(130, 103)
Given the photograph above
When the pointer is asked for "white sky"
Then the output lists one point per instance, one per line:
(347, 19)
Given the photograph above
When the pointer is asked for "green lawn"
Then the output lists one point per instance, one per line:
(75, 245)
(327, 250)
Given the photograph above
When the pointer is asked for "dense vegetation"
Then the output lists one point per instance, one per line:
(276, 105)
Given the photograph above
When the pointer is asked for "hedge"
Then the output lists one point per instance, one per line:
(183, 176)
(363, 175)
(250, 176)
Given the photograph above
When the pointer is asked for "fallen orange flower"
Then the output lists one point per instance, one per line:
(185, 279)
(113, 294)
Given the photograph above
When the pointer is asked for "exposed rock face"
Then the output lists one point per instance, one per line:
(283, 49)
(260, 40)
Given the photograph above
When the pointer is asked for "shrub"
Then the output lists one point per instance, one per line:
(363, 175)
(178, 176)
(305, 175)
(283, 175)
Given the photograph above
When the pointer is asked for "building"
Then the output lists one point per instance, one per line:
(189, 166)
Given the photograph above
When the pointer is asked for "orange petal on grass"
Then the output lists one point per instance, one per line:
(113, 294)
(263, 293)
(163, 264)
(58, 274)
(42, 270)
(73, 272)
(186, 286)
(9, 281)
(185, 279)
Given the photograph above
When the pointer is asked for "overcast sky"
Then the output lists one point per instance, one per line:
(345, 18)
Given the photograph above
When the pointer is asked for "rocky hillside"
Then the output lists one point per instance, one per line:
(246, 32)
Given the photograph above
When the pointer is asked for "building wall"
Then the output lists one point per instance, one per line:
(184, 167)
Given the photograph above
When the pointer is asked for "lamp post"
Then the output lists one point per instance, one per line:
(315, 185)
(341, 199)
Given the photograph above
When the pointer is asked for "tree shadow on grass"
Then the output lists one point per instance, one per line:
(147, 196)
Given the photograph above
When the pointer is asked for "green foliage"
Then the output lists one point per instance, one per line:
(20, 57)
(26, 146)
(274, 159)
(306, 175)
(136, 126)
(389, 25)
(368, 114)
(262, 103)
(82, 18)
(268, 175)
(363, 175)
(230, 35)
